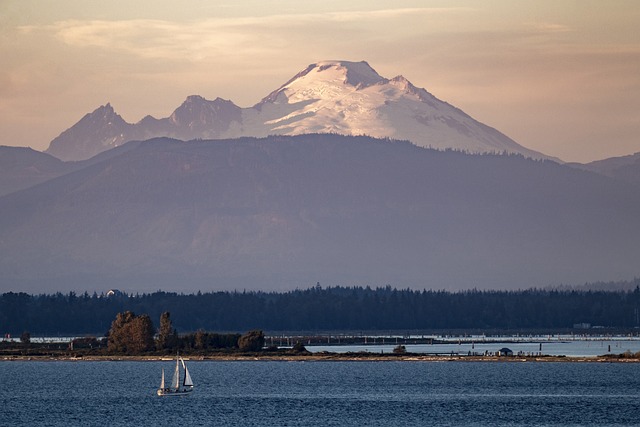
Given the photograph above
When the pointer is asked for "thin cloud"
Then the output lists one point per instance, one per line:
(150, 38)
(548, 27)
(394, 13)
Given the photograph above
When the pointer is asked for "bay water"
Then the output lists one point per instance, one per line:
(322, 393)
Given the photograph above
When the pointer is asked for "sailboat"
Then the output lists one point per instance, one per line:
(177, 388)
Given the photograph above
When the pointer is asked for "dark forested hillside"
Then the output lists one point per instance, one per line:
(331, 309)
(283, 212)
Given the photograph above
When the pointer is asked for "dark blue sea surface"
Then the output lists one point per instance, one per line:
(262, 393)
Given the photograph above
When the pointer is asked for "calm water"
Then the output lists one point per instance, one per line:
(322, 394)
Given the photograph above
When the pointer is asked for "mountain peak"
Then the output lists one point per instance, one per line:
(103, 125)
(194, 98)
(320, 76)
(197, 100)
(104, 110)
(198, 117)
(105, 114)
(358, 74)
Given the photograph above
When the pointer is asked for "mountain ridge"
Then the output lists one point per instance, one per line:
(623, 168)
(23, 167)
(348, 98)
(285, 211)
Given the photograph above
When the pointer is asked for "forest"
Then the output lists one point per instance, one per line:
(318, 309)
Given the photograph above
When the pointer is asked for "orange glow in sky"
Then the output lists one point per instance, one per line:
(560, 77)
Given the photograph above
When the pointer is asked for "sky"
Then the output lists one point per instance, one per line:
(557, 76)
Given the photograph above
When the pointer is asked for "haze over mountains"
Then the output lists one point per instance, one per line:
(22, 167)
(624, 168)
(285, 212)
(342, 97)
(205, 199)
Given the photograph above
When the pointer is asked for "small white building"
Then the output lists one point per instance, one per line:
(113, 293)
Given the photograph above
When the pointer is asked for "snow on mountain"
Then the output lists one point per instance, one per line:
(348, 98)
(351, 98)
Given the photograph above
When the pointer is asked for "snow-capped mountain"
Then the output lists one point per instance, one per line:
(348, 98)
(351, 98)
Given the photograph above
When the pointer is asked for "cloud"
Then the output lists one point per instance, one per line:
(196, 40)
(548, 27)
(394, 13)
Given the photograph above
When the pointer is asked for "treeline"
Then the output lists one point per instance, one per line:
(131, 334)
(136, 335)
(324, 309)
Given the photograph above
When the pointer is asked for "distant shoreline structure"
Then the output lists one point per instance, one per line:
(335, 357)
(355, 348)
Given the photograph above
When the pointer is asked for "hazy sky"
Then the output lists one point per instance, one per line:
(561, 77)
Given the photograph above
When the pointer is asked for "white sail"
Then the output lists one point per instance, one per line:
(162, 381)
(175, 381)
(187, 378)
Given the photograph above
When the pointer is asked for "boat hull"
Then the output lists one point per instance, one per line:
(169, 392)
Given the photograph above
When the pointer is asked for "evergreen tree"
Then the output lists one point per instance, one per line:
(167, 336)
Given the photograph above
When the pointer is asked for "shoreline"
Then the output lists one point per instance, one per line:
(325, 357)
